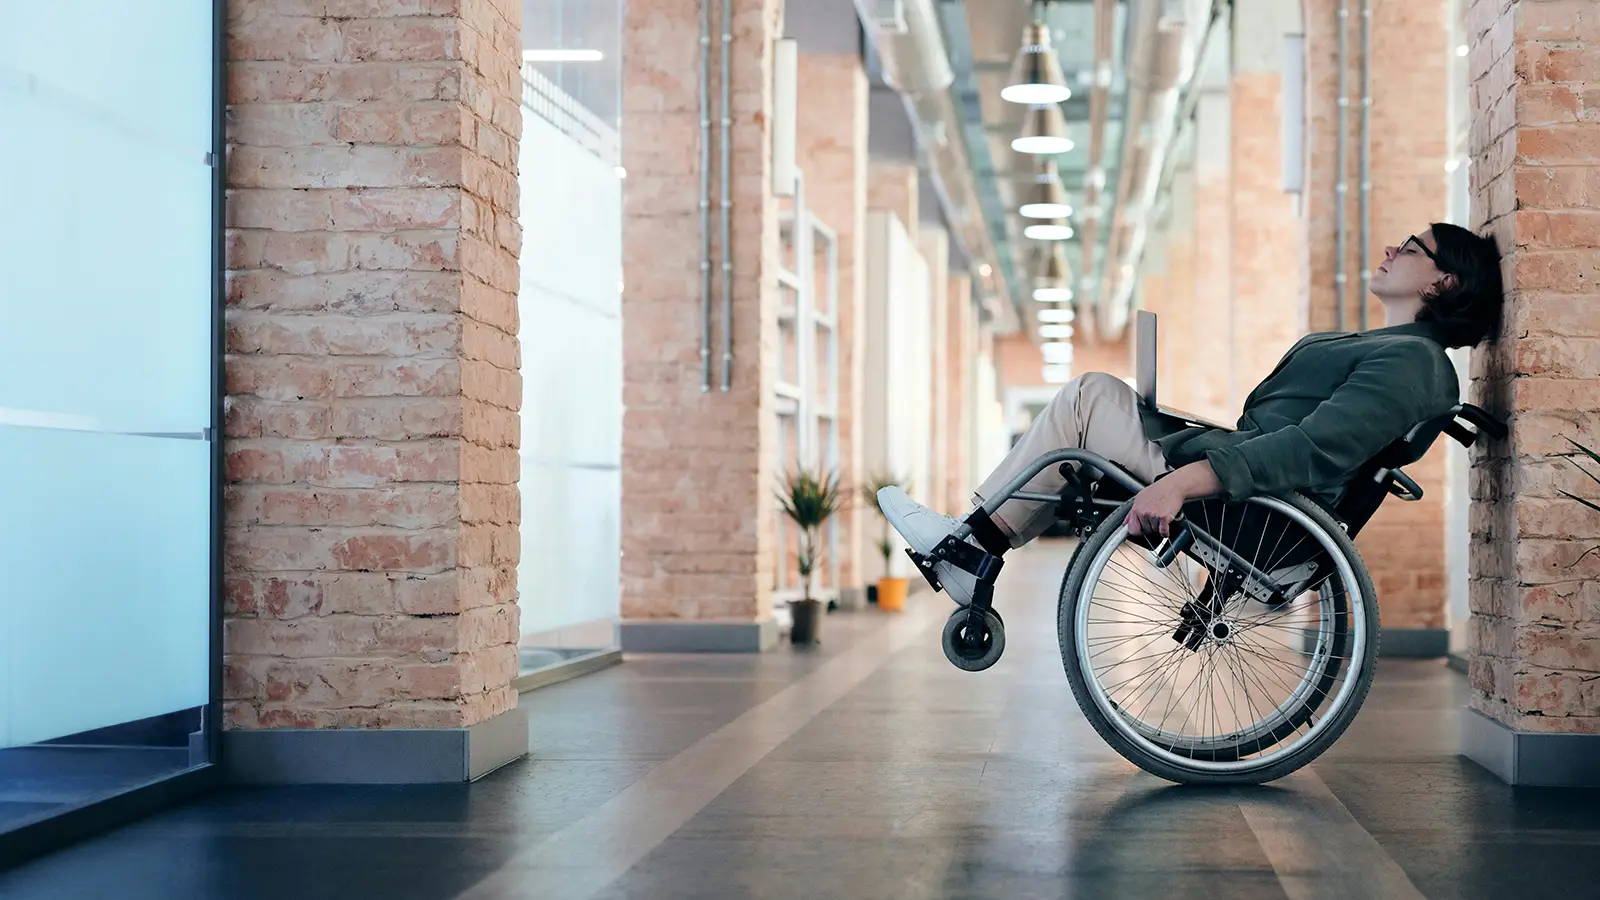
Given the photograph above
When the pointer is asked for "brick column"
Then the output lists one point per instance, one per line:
(1184, 369)
(1535, 657)
(1212, 335)
(372, 427)
(1265, 319)
(698, 468)
(1404, 544)
(832, 150)
(893, 187)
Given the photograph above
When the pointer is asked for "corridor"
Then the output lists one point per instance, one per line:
(870, 768)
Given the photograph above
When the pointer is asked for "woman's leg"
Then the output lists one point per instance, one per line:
(1095, 412)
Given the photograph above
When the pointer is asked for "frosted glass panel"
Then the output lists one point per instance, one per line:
(105, 236)
(570, 307)
(105, 594)
(106, 275)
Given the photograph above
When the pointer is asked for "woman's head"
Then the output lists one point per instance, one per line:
(1451, 275)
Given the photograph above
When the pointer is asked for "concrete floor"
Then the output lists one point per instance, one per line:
(871, 768)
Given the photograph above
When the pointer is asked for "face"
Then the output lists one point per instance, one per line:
(1408, 270)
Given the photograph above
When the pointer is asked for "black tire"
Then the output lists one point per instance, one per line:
(1066, 627)
(973, 656)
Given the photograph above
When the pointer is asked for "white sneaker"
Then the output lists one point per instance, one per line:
(924, 529)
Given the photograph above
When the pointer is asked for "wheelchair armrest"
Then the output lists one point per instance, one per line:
(1400, 484)
(1481, 419)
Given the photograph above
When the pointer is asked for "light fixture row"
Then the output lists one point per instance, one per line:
(1037, 82)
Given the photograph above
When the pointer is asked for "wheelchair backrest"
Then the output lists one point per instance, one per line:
(1366, 491)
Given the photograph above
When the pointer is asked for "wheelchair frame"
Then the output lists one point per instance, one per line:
(1083, 507)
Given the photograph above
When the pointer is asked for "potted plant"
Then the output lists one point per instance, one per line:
(809, 500)
(891, 591)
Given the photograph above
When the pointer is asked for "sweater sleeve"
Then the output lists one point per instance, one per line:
(1389, 391)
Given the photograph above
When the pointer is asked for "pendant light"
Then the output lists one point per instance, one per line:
(1036, 74)
(1053, 280)
(1046, 198)
(1044, 131)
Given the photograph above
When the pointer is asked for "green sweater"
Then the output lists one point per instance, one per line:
(1334, 401)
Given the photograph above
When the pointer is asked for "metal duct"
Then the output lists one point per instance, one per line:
(916, 58)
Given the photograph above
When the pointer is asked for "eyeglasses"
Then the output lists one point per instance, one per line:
(1420, 246)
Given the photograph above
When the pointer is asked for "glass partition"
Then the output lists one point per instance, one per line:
(107, 398)
(570, 310)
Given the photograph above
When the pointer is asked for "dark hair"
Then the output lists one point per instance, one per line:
(1467, 309)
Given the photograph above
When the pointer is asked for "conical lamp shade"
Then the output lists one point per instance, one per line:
(1046, 199)
(1053, 277)
(1043, 131)
(1036, 75)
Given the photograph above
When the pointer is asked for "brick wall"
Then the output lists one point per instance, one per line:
(372, 511)
(832, 151)
(892, 187)
(1211, 336)
(1404, 544)
(1266, 319)
(698, 472)
(1535, 180)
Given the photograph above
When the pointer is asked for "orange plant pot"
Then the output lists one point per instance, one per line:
(892, 594)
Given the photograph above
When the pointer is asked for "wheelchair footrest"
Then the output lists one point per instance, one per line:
(974, 560)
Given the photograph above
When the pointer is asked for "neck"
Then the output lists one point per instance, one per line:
(1401, 312)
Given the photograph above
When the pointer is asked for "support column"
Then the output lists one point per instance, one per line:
(372, 512)
(1212, 336)
(1404, 543)
(1265, 319)
(832, 150)
(699, 526)
(1535, 657)
(894, 187)
(1184, 368)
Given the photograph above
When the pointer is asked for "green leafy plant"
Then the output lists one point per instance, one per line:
(809, 499)
(1583, 452)
(869, 494)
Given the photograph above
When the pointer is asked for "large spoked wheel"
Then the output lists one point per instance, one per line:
(1200, 673)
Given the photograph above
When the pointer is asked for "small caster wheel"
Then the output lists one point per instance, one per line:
(974, 653)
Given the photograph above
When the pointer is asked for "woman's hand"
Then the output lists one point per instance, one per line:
(1156, 506)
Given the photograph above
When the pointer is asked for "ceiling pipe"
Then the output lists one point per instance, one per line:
(1161, 167)
(1099, 105)
(916, 65)
(1141, 65)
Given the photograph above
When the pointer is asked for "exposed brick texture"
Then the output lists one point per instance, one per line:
(372, 513)
(831, 137)
(1266, 279)
(892, 187)
(1535, 654)
(1404, 544)
(1211, 337)
(698, 469)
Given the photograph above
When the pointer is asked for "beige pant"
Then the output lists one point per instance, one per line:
(1095, 412)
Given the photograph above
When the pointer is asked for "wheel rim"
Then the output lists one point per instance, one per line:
(1262, 708)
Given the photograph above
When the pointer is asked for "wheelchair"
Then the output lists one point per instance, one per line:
(1234, 651)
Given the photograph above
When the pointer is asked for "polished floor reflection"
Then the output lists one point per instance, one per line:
(871, 768)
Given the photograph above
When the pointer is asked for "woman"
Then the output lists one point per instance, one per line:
(1334, 401)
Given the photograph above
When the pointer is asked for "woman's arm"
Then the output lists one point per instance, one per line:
(1156, 506)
